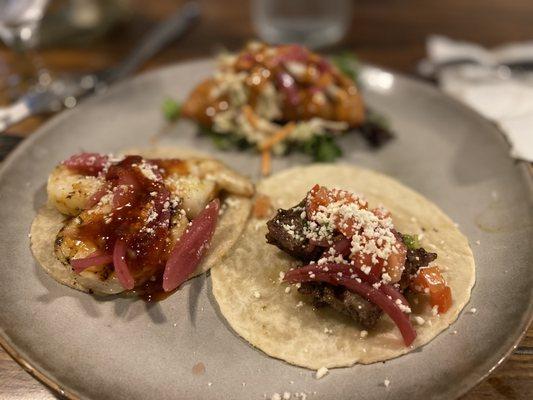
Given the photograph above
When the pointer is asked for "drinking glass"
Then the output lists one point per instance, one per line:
(19, 22)
(312, 23)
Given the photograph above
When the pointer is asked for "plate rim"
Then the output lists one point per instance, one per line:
(50, 383)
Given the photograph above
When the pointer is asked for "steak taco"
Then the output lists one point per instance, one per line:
(335, 278)
(138, 224)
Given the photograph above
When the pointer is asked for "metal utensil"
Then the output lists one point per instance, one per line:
(68, 91)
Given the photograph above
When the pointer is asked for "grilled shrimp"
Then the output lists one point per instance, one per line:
(203, 180)
(69, 191)
(196, 184)
(101, 278)
(225, 178)
(192, 184)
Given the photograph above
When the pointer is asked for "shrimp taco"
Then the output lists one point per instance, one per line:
(333, 278)
(143, 222)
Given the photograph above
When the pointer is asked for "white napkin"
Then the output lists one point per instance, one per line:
(487, 85)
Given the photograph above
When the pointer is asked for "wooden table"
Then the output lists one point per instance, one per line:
(390, 33)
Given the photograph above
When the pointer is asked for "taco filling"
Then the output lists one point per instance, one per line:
(323, 277)
(281, 98)
(354, 259)
(138, 223)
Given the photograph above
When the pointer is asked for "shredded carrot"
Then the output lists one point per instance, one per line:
(266, 161)
(251, 116)
(278, 136)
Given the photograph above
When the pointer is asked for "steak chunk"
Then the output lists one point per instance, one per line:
(415, 260)
(286, 231)
(343, 301)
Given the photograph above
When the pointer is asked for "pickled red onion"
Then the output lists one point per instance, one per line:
(96, 258)
(345, 270)
(190, 247)
(95, 198)
(364, 290)
(121, 267)
(87, 163)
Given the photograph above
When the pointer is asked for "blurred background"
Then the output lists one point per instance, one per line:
(44, 41)
(91, 35)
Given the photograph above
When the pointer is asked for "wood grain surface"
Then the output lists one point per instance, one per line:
(390, 33)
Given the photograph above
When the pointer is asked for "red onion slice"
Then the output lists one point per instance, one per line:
(95, 198)
(121, 267)
(364, 290)
(96, 258)
(344, 269)
(126, 188)
(343, 246)
(190, 247)
(87, 163)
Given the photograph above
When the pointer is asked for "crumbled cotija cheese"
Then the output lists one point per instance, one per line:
(321, 372)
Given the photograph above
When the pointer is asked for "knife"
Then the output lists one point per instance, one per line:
(68, 91)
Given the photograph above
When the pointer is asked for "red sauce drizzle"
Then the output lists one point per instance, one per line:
(141, 217)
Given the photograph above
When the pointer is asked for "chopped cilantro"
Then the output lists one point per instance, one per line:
(322, 148)
(171, 109)
(411, 241)
(348, 64)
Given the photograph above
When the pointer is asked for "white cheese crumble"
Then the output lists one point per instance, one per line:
(321, 372)
(419, 320)
(386, 383)
(257, 295)
(473, 310)
(402, 307)
(363, 334)
(147, 170)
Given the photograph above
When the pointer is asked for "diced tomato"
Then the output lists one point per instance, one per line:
(362, 260)
(318, 196)
(440, 294)
(322, 196)
(381, 212)
(396, 262)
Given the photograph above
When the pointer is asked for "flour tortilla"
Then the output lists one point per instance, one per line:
(252, 298)
(48, 223)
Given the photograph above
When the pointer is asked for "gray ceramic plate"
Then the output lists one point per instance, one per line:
(127, 349)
